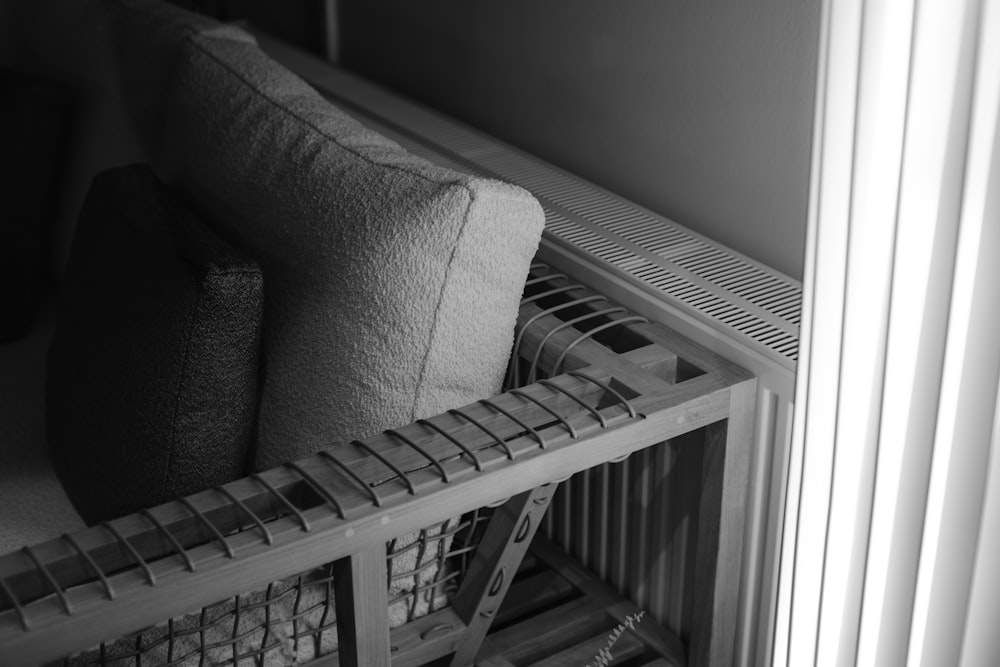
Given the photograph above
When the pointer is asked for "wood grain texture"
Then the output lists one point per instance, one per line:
(617, 607)
(494, 661)
(721, 522)
(362, 599)
(546, 633)
(532, 593)
(625, 648)
(416, 643)
(507, 538)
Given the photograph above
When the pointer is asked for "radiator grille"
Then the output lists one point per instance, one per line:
(728, 291)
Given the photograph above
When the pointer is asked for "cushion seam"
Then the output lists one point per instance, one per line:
(180, 392)
(419, 391)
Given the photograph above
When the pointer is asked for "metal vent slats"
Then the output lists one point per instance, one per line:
(760, 306)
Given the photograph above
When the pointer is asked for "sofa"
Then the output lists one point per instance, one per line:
(263, 414)
(391, 284)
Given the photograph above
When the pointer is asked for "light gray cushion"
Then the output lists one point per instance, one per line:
(391, 285)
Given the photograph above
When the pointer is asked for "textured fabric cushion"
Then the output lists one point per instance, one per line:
(117, 56)
(152, 372)
(34, 127)
(391, 285)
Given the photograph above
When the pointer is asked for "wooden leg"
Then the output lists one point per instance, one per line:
(498, 556)
(721, 520)
(362, 602)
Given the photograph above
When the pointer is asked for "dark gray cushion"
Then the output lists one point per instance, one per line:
(152, 370)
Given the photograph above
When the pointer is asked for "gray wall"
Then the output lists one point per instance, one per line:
(698, 109)
(298, 21)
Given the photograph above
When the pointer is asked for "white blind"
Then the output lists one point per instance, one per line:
(892, 523)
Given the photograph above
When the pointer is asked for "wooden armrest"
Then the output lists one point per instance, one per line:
(333, 516)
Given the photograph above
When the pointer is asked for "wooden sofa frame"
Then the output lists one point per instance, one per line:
(599, 383)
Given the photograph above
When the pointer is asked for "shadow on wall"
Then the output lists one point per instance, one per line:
(298, 22)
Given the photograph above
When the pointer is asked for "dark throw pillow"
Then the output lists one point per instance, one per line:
(152, 370)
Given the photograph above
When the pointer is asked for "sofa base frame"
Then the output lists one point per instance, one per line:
(601, 384)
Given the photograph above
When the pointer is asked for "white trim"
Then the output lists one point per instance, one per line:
(796, 629)
(960, 466)
(898, 365)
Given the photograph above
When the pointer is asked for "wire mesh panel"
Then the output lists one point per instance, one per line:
(294, 619)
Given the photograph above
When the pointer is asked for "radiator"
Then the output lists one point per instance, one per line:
(629, 521)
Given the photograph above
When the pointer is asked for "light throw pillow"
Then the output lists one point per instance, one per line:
(152, 370)
(391, 284)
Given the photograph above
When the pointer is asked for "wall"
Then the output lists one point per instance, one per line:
(700, 111)
(8, 37)
(298, 22)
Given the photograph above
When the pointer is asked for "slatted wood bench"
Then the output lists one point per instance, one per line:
(590, 383)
